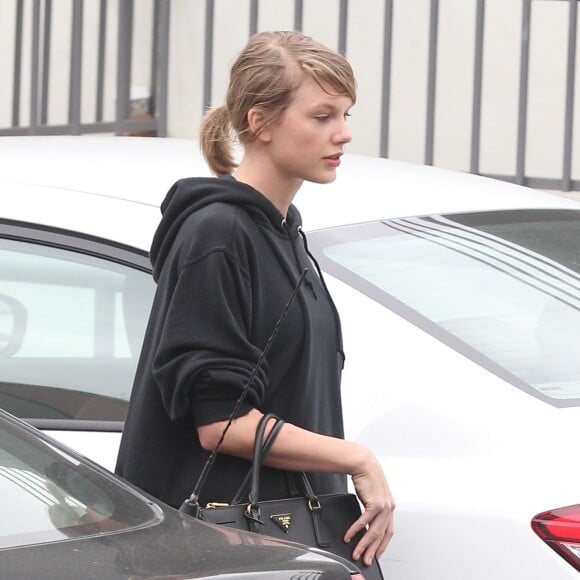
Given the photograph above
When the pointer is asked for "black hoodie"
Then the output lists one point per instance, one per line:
(226, 263)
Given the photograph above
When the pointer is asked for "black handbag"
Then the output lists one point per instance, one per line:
(317, 521)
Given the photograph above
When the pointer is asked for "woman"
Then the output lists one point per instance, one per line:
(226, 256)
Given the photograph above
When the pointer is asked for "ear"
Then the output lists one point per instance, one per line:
(258, 126)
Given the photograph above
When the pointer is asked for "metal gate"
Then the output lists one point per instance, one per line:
(37, 22)
(149, 114)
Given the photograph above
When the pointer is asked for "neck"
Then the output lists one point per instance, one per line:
(279, 189)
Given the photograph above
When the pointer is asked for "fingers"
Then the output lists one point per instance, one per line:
(386, 538)
(373, 491)
(358, 525)
(373, 543)
(376, 538)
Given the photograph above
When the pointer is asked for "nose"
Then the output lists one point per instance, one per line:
(343, 134)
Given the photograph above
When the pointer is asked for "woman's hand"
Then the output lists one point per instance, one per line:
(373, 491)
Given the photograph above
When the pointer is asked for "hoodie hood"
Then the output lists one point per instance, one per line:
(191, 194)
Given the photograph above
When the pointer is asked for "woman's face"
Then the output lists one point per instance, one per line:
(308, 139)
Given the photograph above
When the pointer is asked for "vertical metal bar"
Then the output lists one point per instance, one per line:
(477, 87)
(34, 66)
(163, 68)
(570, 82)
(298, 15)
(208, 65)
(253, 17)
(16, 81)
(46, 62)
(76, 56)
(101, 51)
(154, 69)
(124, 48)
(431, 82)
(523, 98)
(386, 88)
(342, 26)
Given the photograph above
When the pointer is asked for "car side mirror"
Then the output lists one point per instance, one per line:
(13, 322)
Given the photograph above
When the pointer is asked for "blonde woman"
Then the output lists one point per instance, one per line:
(226, 257)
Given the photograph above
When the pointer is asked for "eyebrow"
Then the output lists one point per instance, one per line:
(329, 105)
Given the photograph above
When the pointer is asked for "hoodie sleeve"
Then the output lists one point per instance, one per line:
(205, 358)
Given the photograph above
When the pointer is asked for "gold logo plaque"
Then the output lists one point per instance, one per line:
(283, 521)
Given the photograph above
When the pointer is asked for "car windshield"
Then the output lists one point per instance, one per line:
(502, 287)
(47, 495)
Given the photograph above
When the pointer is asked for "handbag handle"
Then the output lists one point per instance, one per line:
(243, 490)
(252, 512)
(259, 452)
(253, 495)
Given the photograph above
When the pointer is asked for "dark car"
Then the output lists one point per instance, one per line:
(64, 517)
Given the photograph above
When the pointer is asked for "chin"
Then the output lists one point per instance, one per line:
(329, 178)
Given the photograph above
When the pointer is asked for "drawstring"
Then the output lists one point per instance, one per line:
(311, 256)
(323, 281)
(307, 281)
(284, 227)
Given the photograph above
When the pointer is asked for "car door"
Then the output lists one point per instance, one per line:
(73, 310)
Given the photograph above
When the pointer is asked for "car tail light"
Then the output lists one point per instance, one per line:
(560, 529)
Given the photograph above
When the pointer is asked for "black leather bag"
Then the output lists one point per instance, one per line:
(318, 521)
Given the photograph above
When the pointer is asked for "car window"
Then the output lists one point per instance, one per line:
(71, 328)
(47, 495)
(506, 284)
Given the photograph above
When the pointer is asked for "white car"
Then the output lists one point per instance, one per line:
(460, 303)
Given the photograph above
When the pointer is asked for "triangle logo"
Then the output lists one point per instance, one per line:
(283, 521)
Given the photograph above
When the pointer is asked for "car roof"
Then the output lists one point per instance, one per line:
(102, 184)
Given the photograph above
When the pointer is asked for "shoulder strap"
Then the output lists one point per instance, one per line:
(191, 505)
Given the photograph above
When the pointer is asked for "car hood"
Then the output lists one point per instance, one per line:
(178, 546)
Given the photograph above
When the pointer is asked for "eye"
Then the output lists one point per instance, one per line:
(347, 115)
(322, 118)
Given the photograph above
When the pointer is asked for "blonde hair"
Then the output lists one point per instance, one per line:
(265, 76)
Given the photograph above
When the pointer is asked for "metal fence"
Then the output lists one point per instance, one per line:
(156, 117)
(565, 183)
(40, 26)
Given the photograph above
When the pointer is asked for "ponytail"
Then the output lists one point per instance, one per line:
(215, 138)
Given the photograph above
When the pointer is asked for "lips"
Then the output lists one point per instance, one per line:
(333, 160)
